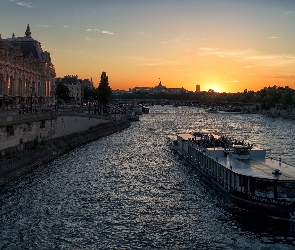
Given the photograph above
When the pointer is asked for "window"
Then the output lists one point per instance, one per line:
(10, 130)
(42, 124)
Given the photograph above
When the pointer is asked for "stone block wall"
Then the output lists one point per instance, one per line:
(27, 160)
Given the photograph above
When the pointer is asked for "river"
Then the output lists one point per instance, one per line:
(129, 191)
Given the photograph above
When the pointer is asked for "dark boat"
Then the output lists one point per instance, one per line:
(250, 178)
(132, 116)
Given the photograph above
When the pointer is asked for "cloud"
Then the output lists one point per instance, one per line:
(175, 43)
(284, 76)
(68, 51)
(107, 32)
(93, 30)
(144, 61)
(162, 42)
(23, 4)
(68, 27)
(41, 25)
(90, 30)
(156, 62)
(139, 32)
(219, 52)
(88, 39)
(253, 57)
(209, 49)
(273, 37)
(233, 81)
(273, 60)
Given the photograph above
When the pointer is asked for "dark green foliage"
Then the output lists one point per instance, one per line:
(266, 98)
(271, 97)
(104, 90)
(88, 93)
(62, 92)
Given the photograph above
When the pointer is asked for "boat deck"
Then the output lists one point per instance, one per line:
(257, 166)
(260, 167)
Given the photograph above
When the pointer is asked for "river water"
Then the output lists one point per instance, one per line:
(129, 191)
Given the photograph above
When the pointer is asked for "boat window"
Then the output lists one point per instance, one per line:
(241, 151)
(264, 189)
(286, 190)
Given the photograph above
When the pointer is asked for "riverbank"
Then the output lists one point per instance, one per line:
(279, 112)
(23, 162)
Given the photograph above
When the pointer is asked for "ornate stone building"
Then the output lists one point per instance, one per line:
(27, 76)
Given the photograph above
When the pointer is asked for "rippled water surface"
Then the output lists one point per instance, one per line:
(129, 191)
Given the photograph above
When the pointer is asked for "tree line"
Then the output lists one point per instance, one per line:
(266, 98)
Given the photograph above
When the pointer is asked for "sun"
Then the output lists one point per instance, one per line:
(216, 89)
(213, 86)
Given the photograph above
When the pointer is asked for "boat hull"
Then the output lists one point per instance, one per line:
(263, 204)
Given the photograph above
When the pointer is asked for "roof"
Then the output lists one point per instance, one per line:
(257, 166)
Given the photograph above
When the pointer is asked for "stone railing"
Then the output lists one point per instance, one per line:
(15, 118)
(20, 118)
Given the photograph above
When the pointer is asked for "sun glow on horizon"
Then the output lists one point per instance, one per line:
(215, 88)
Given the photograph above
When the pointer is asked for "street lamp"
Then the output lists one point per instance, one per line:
(31, 108)
(6, 100)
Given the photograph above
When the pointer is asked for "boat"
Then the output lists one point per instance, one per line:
(232, 110)
(137, 110)
(131, 116)
(145, 110)
(211, 110)
(243, 172)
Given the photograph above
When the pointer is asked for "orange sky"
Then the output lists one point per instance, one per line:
(223, 45)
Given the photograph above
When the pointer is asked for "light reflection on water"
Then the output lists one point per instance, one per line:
(130, 191)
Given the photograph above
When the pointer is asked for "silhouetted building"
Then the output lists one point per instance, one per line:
(158, 89)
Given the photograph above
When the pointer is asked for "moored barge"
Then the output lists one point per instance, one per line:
(245, 173)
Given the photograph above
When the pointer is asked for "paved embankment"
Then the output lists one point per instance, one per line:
(13, 168)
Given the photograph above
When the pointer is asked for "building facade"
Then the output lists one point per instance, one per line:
(27, 74)
(76, 86)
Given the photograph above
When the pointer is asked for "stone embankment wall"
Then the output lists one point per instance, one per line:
(28, 160)
(17, 132)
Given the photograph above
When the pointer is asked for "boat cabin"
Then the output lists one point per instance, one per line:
(241, 152)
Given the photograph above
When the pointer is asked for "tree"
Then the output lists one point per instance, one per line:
(287, 97)
(62, 92)
(104, 90)
(88, 93)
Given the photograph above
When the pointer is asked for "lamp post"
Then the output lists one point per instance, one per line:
(31, 102)
(6, 100)
(54, 96)
(32, 89)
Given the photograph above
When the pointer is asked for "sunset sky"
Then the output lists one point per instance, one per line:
(225, 45)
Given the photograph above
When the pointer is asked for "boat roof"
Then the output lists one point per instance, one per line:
(237, 146)
(197, 134)
(259, 167)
